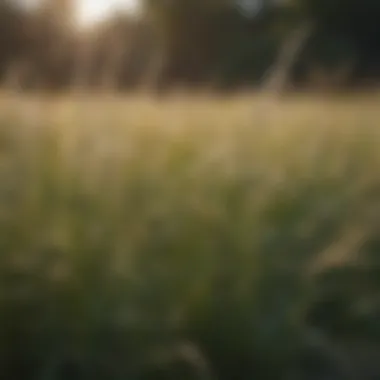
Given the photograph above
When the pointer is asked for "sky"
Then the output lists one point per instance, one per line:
(90, 11)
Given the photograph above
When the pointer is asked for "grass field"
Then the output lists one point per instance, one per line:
(189, 238)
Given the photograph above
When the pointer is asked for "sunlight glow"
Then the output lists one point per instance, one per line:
(90, 11)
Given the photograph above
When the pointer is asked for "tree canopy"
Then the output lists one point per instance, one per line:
(222, 43)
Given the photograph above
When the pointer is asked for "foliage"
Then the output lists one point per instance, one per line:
(217, 43)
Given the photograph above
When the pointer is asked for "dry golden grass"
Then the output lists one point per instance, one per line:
(197, 219)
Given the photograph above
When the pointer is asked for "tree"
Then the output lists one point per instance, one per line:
(208, 41)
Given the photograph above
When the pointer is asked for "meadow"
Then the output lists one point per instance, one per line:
(189, 237)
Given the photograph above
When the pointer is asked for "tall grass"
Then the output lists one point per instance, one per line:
(190, 239)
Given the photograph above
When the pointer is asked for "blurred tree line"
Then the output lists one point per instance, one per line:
(216, 43)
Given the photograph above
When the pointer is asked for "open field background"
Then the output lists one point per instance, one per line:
(189, 238)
